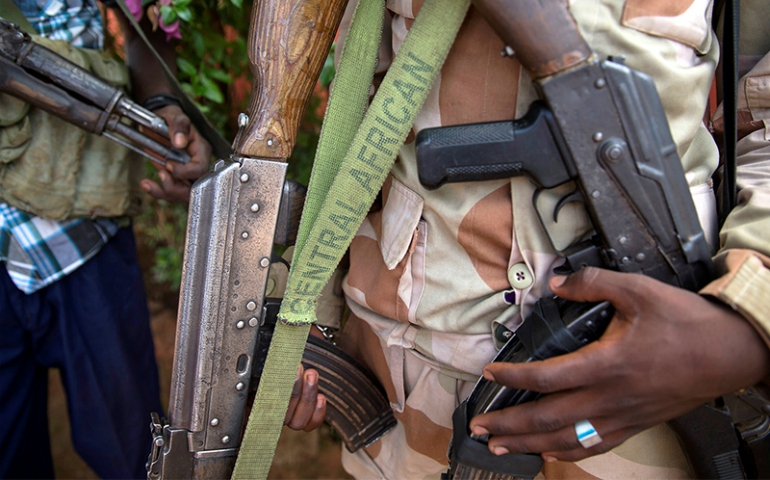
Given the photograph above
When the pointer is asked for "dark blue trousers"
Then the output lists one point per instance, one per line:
(93, 325)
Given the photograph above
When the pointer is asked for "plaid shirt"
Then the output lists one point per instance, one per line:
(36, 251)
(78, 22)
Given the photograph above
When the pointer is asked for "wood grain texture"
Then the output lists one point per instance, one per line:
(541, 32)
(288, 43)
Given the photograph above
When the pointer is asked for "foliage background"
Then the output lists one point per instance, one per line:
(213, 69)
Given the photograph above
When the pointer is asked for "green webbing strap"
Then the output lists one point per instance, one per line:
(10, 12)
(340, 197)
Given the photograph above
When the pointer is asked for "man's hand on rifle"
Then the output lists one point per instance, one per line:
(175, 178)
(307, 407)
(666, 351)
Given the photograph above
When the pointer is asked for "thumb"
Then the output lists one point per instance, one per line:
(178, 125)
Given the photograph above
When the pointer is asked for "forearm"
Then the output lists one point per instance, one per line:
(146, 77)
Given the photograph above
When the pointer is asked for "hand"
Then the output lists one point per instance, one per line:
(666, 351)
(176, 178)
(307, 407)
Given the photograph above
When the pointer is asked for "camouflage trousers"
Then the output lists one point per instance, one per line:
(423, 396)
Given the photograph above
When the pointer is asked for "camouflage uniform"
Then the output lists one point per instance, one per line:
(434, 273)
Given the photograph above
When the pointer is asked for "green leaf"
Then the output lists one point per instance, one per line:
(219, 75)
(212, 91)
(186, 67)
(328, 71)
(237, 3)
(198, 43)
(199, 90)
(189, 90)
(185, 14)
(167, 14)
(181, 3)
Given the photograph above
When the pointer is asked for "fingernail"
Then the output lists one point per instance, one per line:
(500, 451)
(488, 375)
(549, 458)
(319, 402)
(311, 378)
(558, 280)
(179, 140)
(479, 430)
(145, 187)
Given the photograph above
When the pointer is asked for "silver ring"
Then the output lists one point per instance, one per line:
(587, 434)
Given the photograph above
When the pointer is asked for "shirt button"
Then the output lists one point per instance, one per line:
(520, 276)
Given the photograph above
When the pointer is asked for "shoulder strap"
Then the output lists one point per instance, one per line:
(731, 36)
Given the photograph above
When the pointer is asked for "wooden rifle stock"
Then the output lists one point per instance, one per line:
(543, 33)
(288, 43)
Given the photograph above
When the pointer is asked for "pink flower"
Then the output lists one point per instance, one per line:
(135, 7)
(172, 31)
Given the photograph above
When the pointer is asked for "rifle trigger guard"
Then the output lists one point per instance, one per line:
(573, 196)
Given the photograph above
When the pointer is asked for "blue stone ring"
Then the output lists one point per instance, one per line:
(587, 434)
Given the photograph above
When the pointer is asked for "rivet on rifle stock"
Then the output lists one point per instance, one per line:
(264, 263)
(245, 235)
(623, 240)
(240, 386)
(225, 439)
(240, 324)
(254, 207)
(640, 257)
(598, 136)
(270, 143)
(244, 178)
(596, 194)
(625, 261)
(253, 322)
(243, 120)
(214, 422)
(600, 83)
(159, 441)
(251, 306)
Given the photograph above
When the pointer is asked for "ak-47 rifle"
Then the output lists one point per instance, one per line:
(46, 80)
(238, 211)
(602, 126)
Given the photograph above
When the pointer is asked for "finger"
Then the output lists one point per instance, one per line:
(174, 190)
(591, 284)
(581, 368)
(609, 441)
(200, 156)
(546, 414)
(152, 188)
(168, 190)
(178, 125)
(295, 395)
(318, 415)
(306, 405)
(562, 444)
